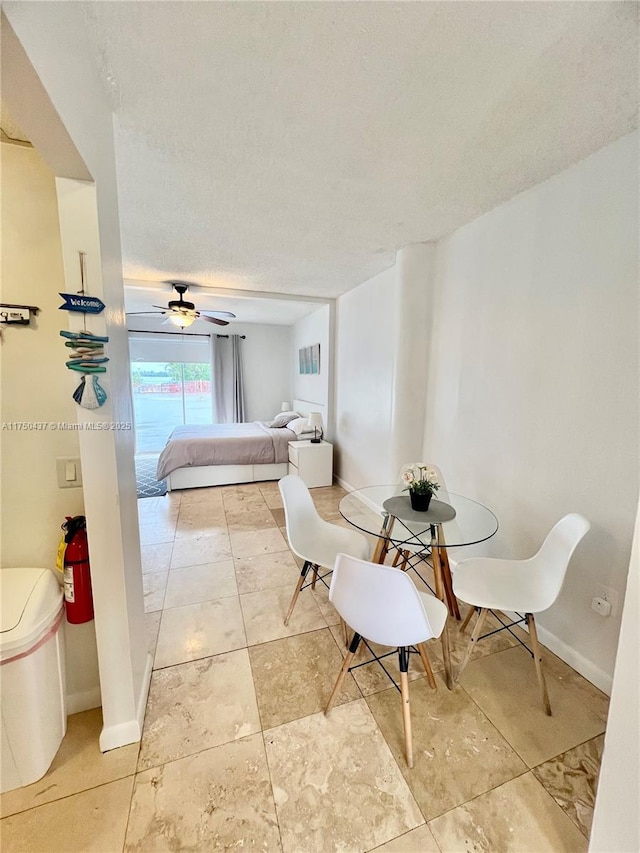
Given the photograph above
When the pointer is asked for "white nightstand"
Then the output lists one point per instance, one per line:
(312, 462)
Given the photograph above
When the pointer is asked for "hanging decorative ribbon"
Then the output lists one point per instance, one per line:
(86, 356)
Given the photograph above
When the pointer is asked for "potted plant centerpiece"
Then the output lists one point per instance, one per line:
(422, 482)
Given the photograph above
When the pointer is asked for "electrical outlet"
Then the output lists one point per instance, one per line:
(601, 606)
(606, 593)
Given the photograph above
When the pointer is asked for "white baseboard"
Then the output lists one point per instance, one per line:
(601, 679)
(122, 734)
(598, 677)
(85, 700)
(346, 486)
(365, 500)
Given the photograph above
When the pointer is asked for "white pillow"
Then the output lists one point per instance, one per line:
(282, 419)
(300, 426)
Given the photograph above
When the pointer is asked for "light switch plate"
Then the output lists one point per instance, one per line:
(63, 466)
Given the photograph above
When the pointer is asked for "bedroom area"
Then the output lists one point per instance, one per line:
(220, 388)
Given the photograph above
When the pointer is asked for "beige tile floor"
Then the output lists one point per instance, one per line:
(237, 755)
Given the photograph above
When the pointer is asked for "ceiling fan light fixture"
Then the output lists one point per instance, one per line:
(182, 320)
(182, 313)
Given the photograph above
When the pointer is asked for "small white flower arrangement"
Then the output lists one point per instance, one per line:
(420, 479)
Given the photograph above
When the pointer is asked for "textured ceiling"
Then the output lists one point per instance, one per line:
(294, 147)
(143, 295)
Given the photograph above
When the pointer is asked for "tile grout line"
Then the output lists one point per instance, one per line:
(273, 794)
(528, 769)
(403, 835)
(133, 788)
(69, 796)
(508, 782)
(503, 736)
(397, 764)
(565, 751)
(264, 745)
(494, 725)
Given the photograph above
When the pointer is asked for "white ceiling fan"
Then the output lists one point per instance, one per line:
(182, 313)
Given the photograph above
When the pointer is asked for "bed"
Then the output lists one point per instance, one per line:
(222, 454)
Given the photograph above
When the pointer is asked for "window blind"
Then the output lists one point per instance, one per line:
(154, 347)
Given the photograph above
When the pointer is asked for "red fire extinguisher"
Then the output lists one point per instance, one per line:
(77, 577)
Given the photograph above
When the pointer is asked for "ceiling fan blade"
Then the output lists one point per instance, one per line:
(219, 314)
(213, 320)
(161, 307)
(131, 313)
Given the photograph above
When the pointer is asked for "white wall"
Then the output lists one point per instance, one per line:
(414, 272)
(616, 820)
(265, 366)
(312, 329)
(533, 393)
(37, 388)
(365, 353)
(383, 335)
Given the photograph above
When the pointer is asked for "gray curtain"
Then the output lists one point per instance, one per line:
(228, 385)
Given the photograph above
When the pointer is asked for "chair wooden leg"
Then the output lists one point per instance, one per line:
(315, 577)
(473, 640)
(345, 632)
(353, 648)
(405, 561)
(446, 655)
(467, 619)
(427, 665)
(537, 657)
(406, 708)
(296, 593)
(396, 558)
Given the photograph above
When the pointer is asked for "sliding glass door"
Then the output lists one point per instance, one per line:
(169, 390)
(196, 396)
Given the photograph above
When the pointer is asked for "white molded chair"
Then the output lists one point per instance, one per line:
(311, 538)
(382, 604)
(521, 586)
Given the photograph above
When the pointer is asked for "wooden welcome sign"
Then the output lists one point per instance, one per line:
(80, 303)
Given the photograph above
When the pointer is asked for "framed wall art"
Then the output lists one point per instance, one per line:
(309, 359)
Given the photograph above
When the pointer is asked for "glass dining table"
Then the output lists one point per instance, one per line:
(452, 521)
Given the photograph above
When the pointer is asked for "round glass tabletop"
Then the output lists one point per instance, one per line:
(364, 509)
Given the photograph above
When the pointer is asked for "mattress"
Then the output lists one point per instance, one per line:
(224, 444)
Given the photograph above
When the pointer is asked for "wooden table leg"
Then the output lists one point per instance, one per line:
(440, 593)
(452, 601)
(446, 655)
(437, 571)
(382, 548)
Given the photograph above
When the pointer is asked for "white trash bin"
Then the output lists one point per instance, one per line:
(32, 675)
